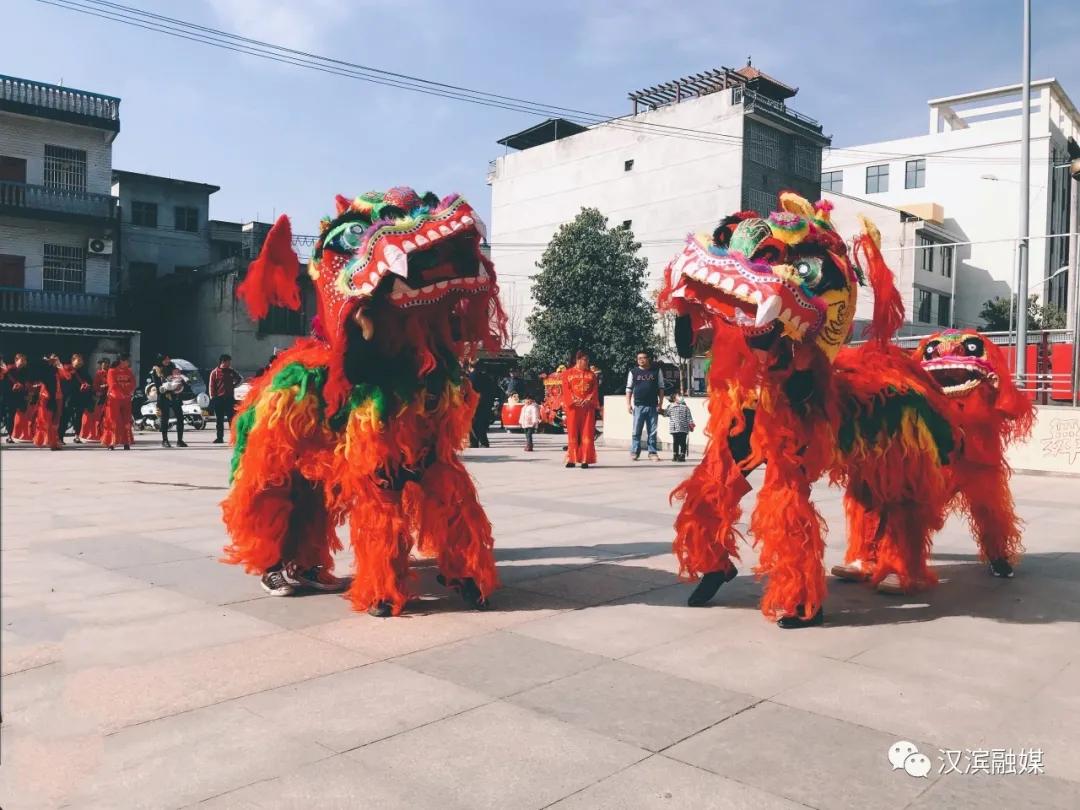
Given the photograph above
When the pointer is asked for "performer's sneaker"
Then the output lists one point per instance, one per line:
(1001, 568)
(570, 464)
(274, 583)
(381, 610)
(316, 578)
(852, 571)
(468, 589)
(797, 621)
(709, 585)
(891, 584)
(585, 465)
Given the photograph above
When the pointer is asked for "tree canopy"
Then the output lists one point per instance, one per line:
(995, 314)
(590, 294)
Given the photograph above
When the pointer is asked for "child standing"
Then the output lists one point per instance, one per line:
(680, 425)
(529, 420)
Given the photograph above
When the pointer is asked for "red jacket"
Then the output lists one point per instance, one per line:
(223, 382)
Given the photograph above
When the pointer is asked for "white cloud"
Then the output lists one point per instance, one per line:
(297, 24)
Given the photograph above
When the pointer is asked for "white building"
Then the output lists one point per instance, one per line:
(58, 220)
(706, 146)
(968, 164)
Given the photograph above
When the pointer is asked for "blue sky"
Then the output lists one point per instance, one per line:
(278, 138)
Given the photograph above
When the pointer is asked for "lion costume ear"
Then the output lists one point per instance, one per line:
(796, 204)
(272, 279)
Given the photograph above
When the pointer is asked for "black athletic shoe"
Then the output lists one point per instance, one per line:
(795, 622)
(1001, 568)
(316, 578)
(181, 443)
(471, 594)
(381, 610)
(218, 441)
(273, 582)
(709, 585)
(585, 465)
(165, 443)
(570, 464)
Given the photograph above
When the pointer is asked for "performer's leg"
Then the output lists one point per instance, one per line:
(450, 522)
(863, 526)
(573, 436)
(381, 542)
(587, 438)
(992, 514)
(903, 543)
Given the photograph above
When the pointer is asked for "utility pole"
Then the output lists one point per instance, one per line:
(1025, 204)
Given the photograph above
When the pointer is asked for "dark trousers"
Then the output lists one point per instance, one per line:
(224, 407)
(171, 406)
(73, 413)
(529, 438)
(479, 435)
(679, 443)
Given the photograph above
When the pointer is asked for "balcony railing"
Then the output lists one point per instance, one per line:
(65, 101)
(15, 302)
(751, 99)
(29, 198)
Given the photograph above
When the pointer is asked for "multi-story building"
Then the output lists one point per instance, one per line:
(694, 150)
(967, 166)
(58, 220)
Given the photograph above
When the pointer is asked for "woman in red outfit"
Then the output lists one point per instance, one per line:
(581, 398)
(50, 410)
(121, 385)
(17, 400)
(94, 416)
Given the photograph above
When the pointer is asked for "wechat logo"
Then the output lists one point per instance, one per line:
(905, 756)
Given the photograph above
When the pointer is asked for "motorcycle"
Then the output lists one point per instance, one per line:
(194, 412)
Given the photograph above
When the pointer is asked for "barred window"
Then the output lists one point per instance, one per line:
(832, 181)
(926, 250)
(877, 179)
(761, 201)
(764, 147)
(186, 219)
(922, 305)
(64, 269)
(806, 160)
(65, 169)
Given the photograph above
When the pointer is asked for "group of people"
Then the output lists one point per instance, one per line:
(40, 407)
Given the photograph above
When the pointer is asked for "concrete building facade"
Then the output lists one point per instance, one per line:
(58, 220)
(695, 150)
(968, 165)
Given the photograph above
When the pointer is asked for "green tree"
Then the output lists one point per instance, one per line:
(590, 294)
(996, 316)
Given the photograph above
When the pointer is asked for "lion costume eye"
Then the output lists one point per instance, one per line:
(931, 349)
(973, 347)
(809, 271)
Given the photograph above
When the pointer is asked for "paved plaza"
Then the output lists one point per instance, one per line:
(141, 672)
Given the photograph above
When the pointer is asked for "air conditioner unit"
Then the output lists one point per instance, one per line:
(99, 247)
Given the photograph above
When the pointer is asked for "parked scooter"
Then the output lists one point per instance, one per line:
(194, 411)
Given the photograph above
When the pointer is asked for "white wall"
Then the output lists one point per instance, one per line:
(676, 186)
(28, 237)
(978, 209)
(25, 137)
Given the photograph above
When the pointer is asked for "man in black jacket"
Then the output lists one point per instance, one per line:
(169, 403)
(78, 397)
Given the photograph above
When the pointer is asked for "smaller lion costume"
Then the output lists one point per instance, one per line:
(987, 413)
(364, 421)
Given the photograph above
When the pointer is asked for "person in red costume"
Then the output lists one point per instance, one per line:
(121, 385)
(51, 404)
(93, 418)
(581, 398)
(20, 423)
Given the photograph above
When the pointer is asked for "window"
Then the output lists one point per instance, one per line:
(626, 223)
(64, 269)
(12, 271)
(832, 181)
(627, 165)
(944, 309)
(65, 169)
(764, 145)
(282, 321)
(761, 201)
(144, 213)
(946, 261)
(915, 173)
(877, 179)
(187, 219)
(922, 306)
(805, 160)
(925, 249)
(141, 274)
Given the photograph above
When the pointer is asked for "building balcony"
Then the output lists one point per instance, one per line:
(20, 305)
(41, 100)
(752, 101)
(42, 202)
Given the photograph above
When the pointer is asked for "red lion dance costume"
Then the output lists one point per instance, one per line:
(775, 298)
(364, 421)
(988, 413)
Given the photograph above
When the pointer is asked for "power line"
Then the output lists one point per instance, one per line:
(214, 37)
